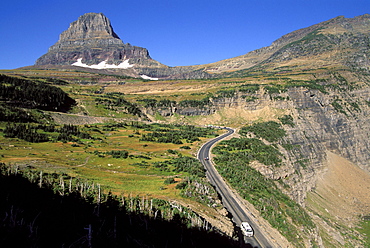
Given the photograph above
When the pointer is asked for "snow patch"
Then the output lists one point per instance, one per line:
(103, 65)
(147, 77)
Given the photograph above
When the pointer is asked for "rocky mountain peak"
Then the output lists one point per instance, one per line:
(91, 30)
(89, 26)
(91, 42)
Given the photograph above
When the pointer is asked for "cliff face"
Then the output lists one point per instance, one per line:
(334, 118)
(320, 127)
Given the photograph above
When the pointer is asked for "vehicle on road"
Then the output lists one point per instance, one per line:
(246, 229)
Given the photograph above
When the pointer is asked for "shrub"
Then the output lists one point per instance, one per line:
(185, 147)
(270, 131)
(287, 120)
(169, 181)
(26, 132)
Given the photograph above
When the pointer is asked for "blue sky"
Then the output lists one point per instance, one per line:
(176, 32)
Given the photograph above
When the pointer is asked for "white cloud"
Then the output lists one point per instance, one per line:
(103, 65)
(147, 77)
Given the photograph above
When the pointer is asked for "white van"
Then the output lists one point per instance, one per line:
(246, 229)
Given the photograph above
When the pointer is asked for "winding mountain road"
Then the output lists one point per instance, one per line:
(229, 200)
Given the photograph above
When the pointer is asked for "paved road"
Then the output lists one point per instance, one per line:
(238, 211)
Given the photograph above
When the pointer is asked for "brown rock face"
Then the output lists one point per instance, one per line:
(91, 29)
(91, 38)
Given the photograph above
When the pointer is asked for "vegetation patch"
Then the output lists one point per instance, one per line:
(287, 120)
(270, 131)
(249, 88)
(274, 89)
(113, 154)
(338, 107)
(196, 103)
(249, 150)
(116, 101)
(227, 93)
(33, 94)
(200, 190)
(24, 131)
(17, 114)
(182, 164)
(233, 158)
(250, 98)
(175, 134)
(317, 84)
(365, 229)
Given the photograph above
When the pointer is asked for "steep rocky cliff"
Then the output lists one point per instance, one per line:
(320, 126)
(331, 117)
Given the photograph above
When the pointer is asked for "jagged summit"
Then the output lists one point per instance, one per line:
(91, 42)
(89, 26)
(89, 29)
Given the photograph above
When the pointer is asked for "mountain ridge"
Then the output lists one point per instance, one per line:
(92, 40)
(258, 56)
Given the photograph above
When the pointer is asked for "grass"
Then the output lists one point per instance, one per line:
(365, 230)
(87, 159)
(128, 183)
(60, 156)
